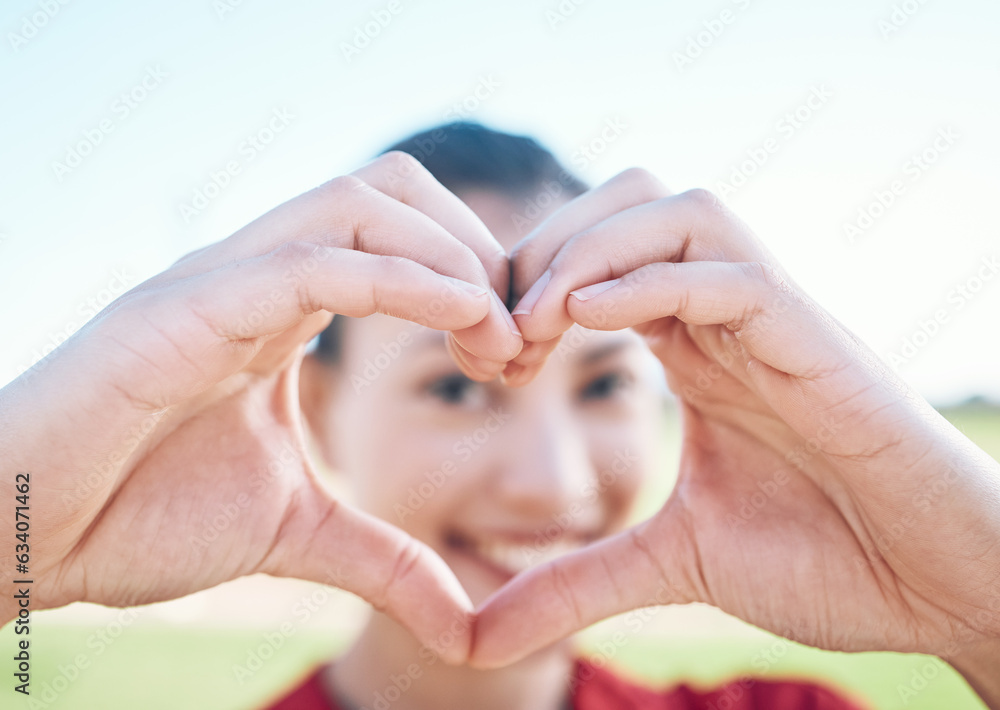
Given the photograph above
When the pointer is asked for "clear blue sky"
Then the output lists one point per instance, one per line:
(696, 89)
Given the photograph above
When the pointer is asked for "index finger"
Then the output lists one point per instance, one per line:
(531, 256)
(401, 176)
(689, 227)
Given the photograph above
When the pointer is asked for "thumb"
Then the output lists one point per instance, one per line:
(648, 565)
(326, 541)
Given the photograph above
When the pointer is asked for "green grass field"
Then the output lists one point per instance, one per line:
(154, 667)
(166, 669)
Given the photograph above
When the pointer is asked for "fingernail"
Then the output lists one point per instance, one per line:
(461, 355)
(531, 296)
(519, 375)
(588, 292)
(510, 372)
(472, 289)
(506, 314)
(532, 353)
(456, 351)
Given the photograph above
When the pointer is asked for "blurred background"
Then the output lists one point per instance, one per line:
(859, 139)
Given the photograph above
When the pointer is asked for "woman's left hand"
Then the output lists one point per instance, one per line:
(818, 496)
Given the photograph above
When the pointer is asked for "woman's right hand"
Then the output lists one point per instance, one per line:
(179, 404)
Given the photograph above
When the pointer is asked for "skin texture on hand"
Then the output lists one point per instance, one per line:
(181, 400)
(818, 497)
(980, 666)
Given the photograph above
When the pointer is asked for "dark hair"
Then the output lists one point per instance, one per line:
(464, 155)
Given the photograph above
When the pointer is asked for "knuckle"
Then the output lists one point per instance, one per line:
(293, 252)
(637, 539)
(293, 258)
(343, 186)
(657, 272)
(524, 259)
(406, 561)
(642, 182)
(529, 259)
(496, 259)
(401, 163)
(705, 200)
(772, 299)
(397, 265)
(560, 582)
(712, 215)
(767, 275)
(521, 252)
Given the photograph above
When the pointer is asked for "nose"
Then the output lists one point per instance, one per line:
(545, 466)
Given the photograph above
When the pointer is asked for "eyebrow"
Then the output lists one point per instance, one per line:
(599, 353)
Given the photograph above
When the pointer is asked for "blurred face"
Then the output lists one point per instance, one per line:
(494, 479)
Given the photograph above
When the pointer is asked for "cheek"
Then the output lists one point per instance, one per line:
(624, 462)
(405, 471)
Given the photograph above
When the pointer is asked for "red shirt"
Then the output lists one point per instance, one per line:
(598, 689)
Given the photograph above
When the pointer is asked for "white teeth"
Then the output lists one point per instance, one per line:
(517, 558)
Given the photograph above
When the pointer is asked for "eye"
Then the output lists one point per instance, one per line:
(606, 386)
(456, 389)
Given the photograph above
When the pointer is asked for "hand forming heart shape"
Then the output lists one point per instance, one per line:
(187, 389)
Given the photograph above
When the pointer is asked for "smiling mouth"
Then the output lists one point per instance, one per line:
(507, 558)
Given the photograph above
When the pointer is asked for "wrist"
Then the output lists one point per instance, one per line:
(980, 666)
